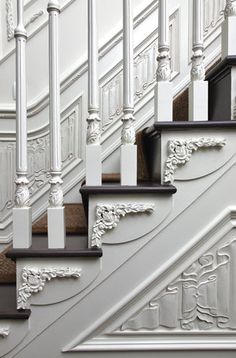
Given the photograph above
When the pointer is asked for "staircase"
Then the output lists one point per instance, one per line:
(141, 260)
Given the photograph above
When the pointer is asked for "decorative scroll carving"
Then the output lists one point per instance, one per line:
(198, 69)
(56, 193)
(201, 298)
(10, 19)
(93, 129)
(230, 8)
(22, 194)
(213, 15)
(34, 280)
(181, 150)
(164, 69)
(4, 332)
(108, 217)
(128, 131)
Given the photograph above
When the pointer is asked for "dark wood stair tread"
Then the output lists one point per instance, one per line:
(8, 303)
(7, 269)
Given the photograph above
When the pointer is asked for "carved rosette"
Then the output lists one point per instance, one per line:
(163, 72)
(128, 131)
(198, 69)
(230, 8)
(22, 195)
(181, 150)
(108, 217)
(201, 298)
(56, 193)
(4, 332)
(34, 280)
(93, 129)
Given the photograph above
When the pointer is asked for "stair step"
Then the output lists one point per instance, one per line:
(7, 269)
(8, 303)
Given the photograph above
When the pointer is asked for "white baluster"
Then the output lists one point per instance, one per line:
(93, 147)
(229, 30)
(163, 90)
(22, 216)
(198, 89)
(128, 167)
(56, 220)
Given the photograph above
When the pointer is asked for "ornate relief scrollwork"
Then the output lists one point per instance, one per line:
(93, 129)
(181, 150)
(108, 217)
(4, 332)
(22, 195)
(56, 193)
(34, 280)
(163, 70)
(230, 8)
(128, 131)
(201, 298)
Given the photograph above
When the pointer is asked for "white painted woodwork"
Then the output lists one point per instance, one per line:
(56, 220)
(198, 89)
(163, 97)
(93, 147)
(128, 154)
(21, 230)
(229, 30)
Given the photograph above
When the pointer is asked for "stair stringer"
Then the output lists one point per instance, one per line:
(121, 292)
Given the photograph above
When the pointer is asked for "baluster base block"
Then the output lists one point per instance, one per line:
(128, 164)
(93, 165)
(164, 102)
(22, 228)
(228, 37)
(198, 101)
(56, 228)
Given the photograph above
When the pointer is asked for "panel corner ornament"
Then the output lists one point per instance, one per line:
(181, 150)
(109, 215)
(4, 332)
(34, 280)
(230, 8)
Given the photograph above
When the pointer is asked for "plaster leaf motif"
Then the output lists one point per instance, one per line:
(34, 280)
(181, 150)
(108, 217)
(201, 298)
(4, 332)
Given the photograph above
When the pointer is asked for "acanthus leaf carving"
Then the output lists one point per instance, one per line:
(34, 280)
(108, 217)
(93, 129)
(230, 8)
(56, 192)
(22, 194)
(201, 298)
(128, 130)
(164, 69)
(181, 150)
(4, 332)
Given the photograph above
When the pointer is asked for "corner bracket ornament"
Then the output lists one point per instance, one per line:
(181, 150)
(4, 332)
(108, 217)
(230, 8)
(34, 280)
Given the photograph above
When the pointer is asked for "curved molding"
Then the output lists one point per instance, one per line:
(181, 150)
(34, 280)
(108, 217)
(4, 332)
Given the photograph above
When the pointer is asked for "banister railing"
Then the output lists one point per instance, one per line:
(198, 106)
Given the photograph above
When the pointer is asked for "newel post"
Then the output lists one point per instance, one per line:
(22, 216)
(56, 220)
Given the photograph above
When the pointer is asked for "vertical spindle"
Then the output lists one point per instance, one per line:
(93, 147)
(128, 167)
(163, 90)
(229, 30)
(198, 90)
(56, 220)
(22, 216)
